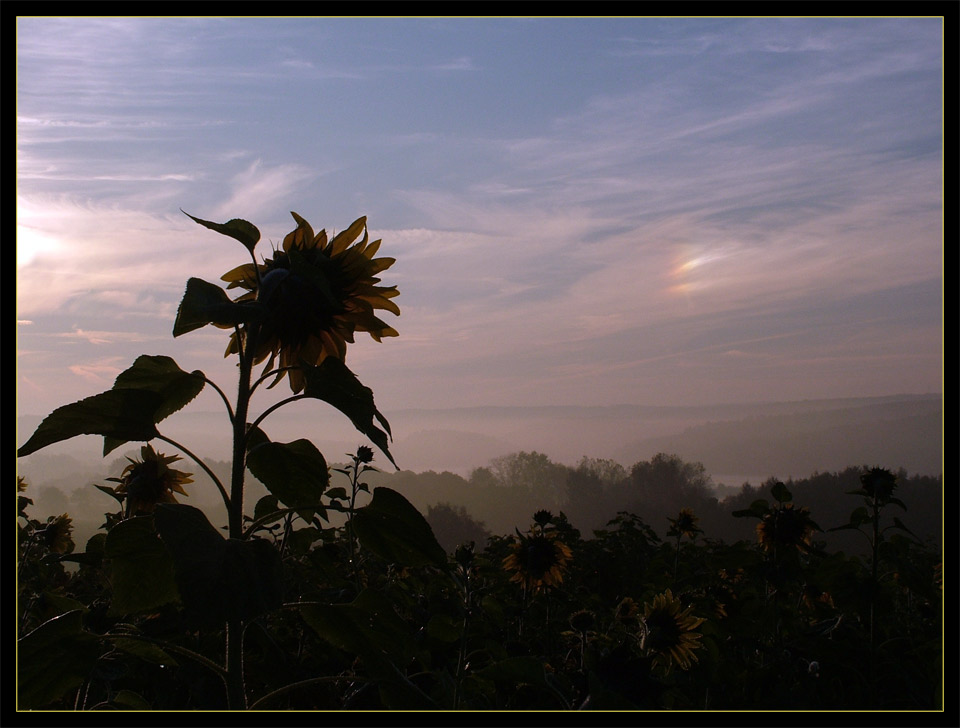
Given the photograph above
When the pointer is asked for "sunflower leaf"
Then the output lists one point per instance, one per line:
(781, 493)
(54, 659)
(121, 414)
(246, 232)
(295, 472)
(392, 528)
(141, 570)
(332, 382)
(219, 579)
(205, 303)
(369, 627)
(160, 374)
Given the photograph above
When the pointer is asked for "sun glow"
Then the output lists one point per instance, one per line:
(31, 244)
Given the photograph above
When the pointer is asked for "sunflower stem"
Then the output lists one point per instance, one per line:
(223, 396)
(276, 406)
(206, 469)
(236, 699)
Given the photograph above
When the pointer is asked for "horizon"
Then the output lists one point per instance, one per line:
(681, 212)
(838, 433)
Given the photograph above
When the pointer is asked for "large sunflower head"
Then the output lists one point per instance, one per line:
(316, 293)
(150, 481)
(785, 529)
(538, 560)
(668, 632)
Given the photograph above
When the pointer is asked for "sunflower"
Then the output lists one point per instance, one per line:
(786, 528)
(56, 534)
(316, 294)
(364, 454)
(815, 599)
(685, 524)
(538, 560)
(582, 620)
(879, 483)
(543, 518)
(150, 481)
(627, 612)
(668, 632)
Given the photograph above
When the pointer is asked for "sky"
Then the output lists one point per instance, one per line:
(582, 211)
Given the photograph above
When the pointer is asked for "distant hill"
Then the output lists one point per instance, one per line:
(770, 438)
(903, 433)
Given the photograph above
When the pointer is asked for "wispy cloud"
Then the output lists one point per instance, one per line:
(662, 205)
(259, 188)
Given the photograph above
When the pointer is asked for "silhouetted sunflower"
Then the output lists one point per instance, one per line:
(150, 481)
(668, 632)
(364, 454)
(786, 528)
(316, 294)
(582, 620)
(815, 599)
(685, 524)
(627, 612)
(56, 534)
(543, 518)
(879, 483)
(538, 560)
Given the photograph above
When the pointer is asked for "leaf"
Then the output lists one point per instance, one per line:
(109, 491)
(121, 414)
(758, 509)
(141, 570)
(897, 501)
(267, 506)
(780, 493)
(237, 229)
(205, 303)
(332, 382)
(370, 628)
(516, 670)
(443, 627)
(129, 700)
(295, 472)
(218, 579)
(160, 374)
(394, 530)
(897, 523)
(844, 527)
(144, 650)
(858, 517)
(54, 659)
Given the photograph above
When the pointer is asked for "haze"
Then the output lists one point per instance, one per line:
(584, 212)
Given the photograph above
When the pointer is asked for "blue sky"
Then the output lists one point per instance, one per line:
(583, 211)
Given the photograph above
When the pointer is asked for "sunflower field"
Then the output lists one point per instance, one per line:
(329, 594)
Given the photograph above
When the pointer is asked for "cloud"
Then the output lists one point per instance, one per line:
(259, 188)
(706, 184)
(100, 373)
